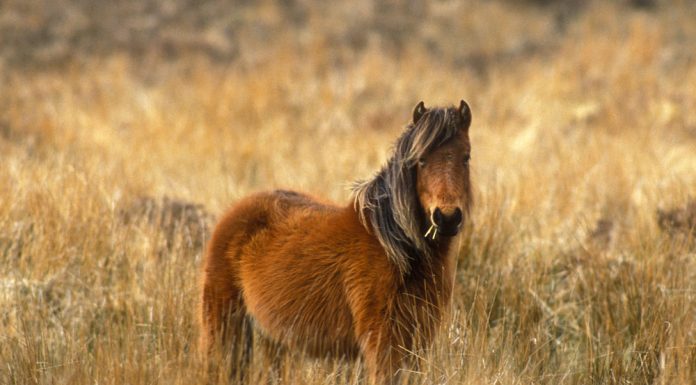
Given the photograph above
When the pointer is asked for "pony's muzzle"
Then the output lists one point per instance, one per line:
(448, 222)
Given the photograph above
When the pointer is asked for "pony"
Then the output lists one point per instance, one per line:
(371, 279)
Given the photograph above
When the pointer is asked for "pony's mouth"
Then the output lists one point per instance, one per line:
(446, 231)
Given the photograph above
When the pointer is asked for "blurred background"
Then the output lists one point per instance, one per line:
(127, 127)
(459, 34)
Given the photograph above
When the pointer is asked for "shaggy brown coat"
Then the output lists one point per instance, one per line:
(343, 281)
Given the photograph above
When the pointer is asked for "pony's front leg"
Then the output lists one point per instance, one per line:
(382, 360)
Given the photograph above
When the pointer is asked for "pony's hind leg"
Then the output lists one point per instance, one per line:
(275, 356)
(240, 340)
(226, 331)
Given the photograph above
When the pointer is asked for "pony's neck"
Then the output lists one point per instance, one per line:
(433, 278)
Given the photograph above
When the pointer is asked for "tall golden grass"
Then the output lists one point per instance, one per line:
(566, 277)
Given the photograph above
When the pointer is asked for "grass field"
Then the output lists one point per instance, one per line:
(126, 129)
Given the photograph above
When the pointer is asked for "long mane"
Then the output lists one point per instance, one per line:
(388, 204)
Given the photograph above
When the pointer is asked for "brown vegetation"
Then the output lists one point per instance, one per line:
(678, 220)
(583, 113)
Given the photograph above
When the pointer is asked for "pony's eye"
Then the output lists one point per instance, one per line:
(421, 162)
(467, 158)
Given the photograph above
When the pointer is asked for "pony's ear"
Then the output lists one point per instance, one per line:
(418, 112)
(465, 113)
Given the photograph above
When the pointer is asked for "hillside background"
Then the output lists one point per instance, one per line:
(127, 127)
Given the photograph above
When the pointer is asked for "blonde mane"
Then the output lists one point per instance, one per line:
(388, 203)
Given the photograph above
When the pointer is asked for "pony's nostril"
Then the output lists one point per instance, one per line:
(437, 218)
(457, 217)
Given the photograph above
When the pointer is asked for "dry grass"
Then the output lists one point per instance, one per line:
(581, 133)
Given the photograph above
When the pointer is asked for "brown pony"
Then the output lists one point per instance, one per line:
(372, 278)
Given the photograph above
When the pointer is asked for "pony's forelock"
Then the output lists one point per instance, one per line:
(388, 203)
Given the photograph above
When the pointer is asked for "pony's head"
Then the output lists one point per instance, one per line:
(422, 195)
(441, 145)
